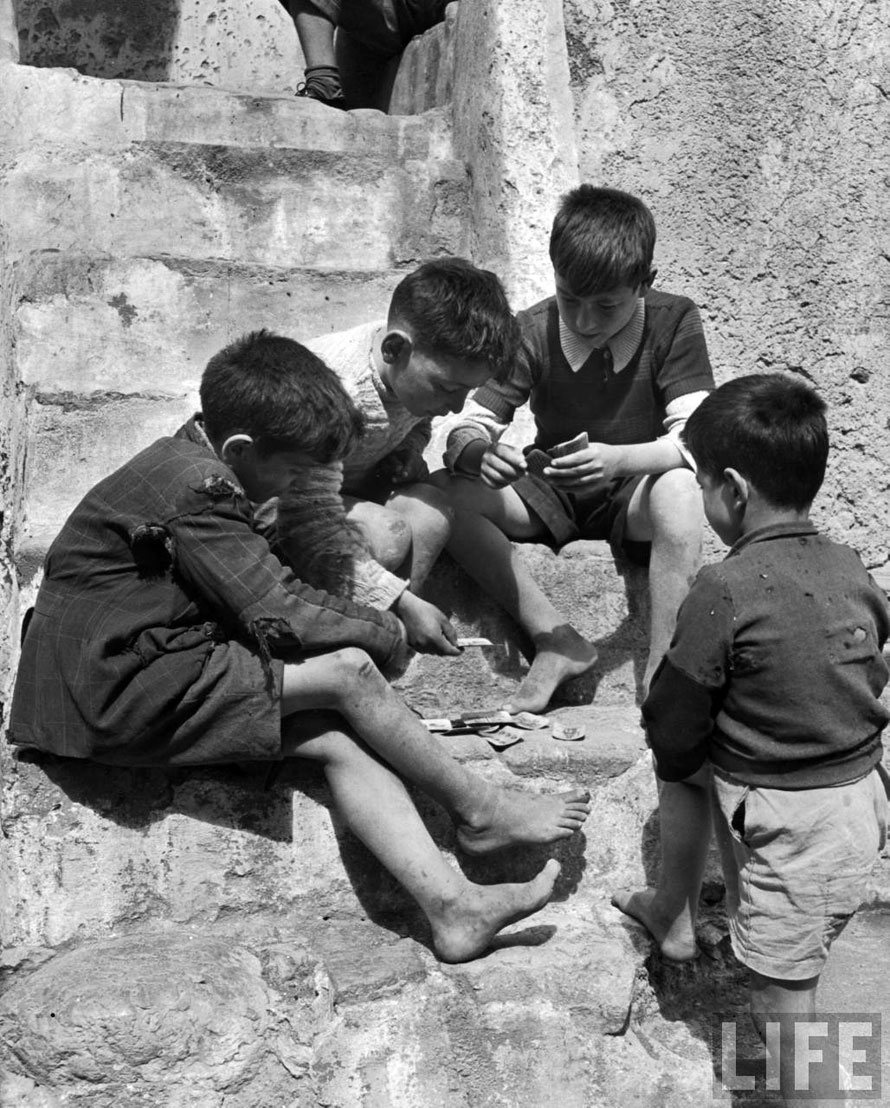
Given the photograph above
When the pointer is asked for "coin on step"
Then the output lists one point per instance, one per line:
(567, 733)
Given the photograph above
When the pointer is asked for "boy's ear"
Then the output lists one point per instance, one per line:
(235, 448)
(396, 344)
(648, 281)
(738, 486)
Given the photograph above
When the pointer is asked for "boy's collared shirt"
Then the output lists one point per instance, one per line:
(491, 410)
(775, 670)
(621, 347)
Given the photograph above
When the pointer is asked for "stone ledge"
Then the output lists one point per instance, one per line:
(282, 208)
(91, 848)
(605, 601)
(161, 318)
(45, 106)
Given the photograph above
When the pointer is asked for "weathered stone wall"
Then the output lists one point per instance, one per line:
(251, 45)
(757, 133)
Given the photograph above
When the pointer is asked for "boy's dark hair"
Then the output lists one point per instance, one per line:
(769, 427)
(453, 308)
(602, 238)
(282, 395)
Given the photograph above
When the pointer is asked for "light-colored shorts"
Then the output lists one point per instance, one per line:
(796, 864)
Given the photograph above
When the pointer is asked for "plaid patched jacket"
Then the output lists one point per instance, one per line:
(161, 625)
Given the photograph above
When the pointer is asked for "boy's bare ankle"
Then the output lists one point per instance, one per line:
(464, 924)
(671, 928)
(560, 655)
(511, 817)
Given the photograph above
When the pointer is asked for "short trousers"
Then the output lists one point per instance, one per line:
(384, 26)
(796, 863)
(568, 517)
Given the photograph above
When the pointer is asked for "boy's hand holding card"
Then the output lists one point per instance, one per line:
(564, 449)
(539, 460)
(581, 466)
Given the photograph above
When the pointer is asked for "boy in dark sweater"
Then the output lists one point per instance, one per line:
(166, 632)
(623, 366)
(769, 698)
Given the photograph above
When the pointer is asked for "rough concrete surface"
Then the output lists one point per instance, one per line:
(251, 46)
(755, 132)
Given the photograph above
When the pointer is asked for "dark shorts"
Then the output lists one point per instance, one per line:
(384, 26)
(568, 517)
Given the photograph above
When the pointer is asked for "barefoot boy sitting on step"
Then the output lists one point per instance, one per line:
(165, 632)
(769, 699)
(610, 359)
(449, 328)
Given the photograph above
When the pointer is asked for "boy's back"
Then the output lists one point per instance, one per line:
(789, 629)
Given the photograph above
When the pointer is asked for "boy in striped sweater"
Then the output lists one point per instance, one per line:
(449, 328)
(611, 370)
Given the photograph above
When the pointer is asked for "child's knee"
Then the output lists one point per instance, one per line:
(351, 670)
(352, 662)
(676, 503)
(458, 493)
(387, 534)
(434, 512)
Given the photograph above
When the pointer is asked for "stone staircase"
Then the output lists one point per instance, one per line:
(264, 211)
(214, 938)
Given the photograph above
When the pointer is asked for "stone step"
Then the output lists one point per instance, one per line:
(61, 106)
(162, 318)
(90, 849)
(338, 1010)
(272, 207)
(606, 601)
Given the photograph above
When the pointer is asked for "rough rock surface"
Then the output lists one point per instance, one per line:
(755, 132)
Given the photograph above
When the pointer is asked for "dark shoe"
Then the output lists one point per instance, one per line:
(323, 84)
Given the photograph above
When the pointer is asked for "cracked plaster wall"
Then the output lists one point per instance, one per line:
(757, 134)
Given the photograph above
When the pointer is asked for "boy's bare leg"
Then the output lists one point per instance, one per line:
(669, 910)
(429, 515)
(485, 522)
(315, 32)
(408, 533)
(388, 536)
(488, 818)
(667, 511)
(464, 917)
(772, 999)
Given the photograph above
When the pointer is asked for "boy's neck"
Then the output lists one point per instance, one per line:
(760, 513)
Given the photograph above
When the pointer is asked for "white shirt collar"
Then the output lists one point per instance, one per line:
(622, 346)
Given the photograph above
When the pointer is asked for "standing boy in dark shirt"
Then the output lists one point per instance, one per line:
(625, 366)
(166, 632)
(769, 697)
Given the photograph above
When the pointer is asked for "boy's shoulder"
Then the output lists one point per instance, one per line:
(177, 469)
(541, 308)
(659, 302)
(339, 343)
(787, 553)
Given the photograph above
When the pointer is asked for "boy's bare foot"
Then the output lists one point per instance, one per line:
(510, 817)
(560, 654)
(464, 928)
(675, 936)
